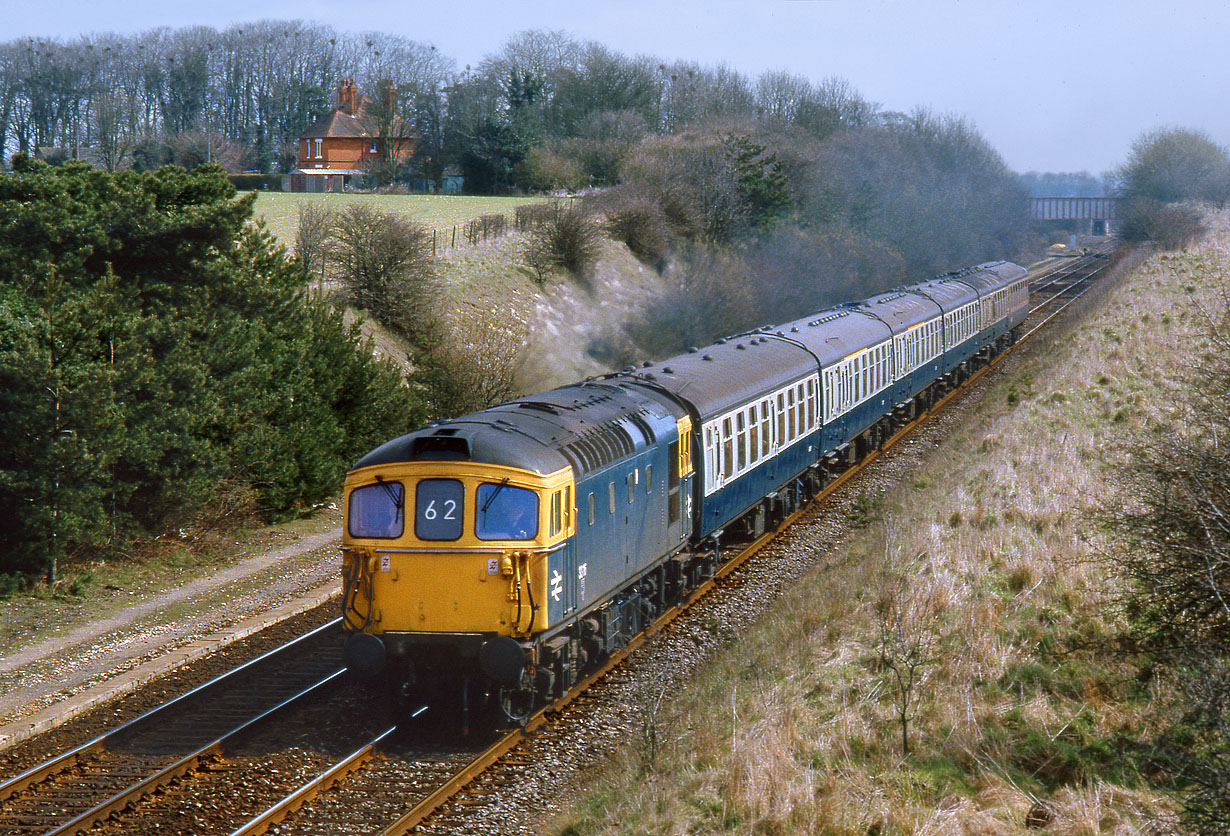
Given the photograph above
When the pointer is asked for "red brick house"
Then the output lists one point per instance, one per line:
(347, 140)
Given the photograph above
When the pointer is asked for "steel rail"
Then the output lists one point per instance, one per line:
(68, 759)
(313, 788)
(183, 766)
(1062, 308)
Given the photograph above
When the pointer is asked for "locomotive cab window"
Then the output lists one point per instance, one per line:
(438, 507)
(377, 510)
(503, 512)
(557, 513)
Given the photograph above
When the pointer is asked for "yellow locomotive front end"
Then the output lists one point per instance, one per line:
(447, 567)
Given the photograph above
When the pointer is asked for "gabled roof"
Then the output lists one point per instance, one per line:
(340, 123)
(337, 122)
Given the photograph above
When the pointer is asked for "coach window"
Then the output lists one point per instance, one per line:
(632, 485)
(781, 419)
(648, 478)
(567, 507)
(591, 508)
(711, 455)
(766, 425)
(611, 496)
(741, 426)
(728, 453)
(753, 434)
(811, 404)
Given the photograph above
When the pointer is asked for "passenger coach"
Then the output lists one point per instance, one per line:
(492, 559)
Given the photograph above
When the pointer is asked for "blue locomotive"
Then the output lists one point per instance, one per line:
(498, 556)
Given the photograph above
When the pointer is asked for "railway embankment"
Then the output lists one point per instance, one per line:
(947, 666)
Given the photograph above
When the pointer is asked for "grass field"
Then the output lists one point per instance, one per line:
(439, 212)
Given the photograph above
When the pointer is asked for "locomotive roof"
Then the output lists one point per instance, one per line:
(585, 425)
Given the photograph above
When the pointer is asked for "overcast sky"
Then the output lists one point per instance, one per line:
(1055, 85)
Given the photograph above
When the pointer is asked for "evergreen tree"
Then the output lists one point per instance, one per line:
(155, 346)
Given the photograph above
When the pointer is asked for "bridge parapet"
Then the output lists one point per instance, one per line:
(1074, 208)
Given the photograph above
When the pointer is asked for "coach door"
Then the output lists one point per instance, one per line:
(679, 486)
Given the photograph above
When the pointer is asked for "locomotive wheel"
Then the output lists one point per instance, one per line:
(517, 701)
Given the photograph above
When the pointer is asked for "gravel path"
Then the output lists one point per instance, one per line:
(46, 683)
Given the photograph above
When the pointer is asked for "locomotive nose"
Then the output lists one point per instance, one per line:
(364, 654)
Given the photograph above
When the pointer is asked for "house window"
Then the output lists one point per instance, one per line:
(318, 143)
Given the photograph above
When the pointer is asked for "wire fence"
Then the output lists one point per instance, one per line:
(493, 225)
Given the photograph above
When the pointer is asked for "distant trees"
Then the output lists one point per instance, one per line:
(1063, 184)
(254, 87)
(928, 186)
(156, 352)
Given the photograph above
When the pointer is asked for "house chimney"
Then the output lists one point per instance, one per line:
(346, 96)
(390, 98)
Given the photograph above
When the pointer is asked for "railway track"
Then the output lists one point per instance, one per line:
(381, 783)
(110, 776)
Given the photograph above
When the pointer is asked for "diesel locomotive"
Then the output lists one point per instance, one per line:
(491, 560)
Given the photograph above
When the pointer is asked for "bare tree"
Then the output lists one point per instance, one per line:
(473, 365)
(904, 647)
(312, 237)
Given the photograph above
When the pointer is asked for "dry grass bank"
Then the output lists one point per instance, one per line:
(982, 581)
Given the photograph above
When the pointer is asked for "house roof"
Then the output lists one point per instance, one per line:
(338, 122)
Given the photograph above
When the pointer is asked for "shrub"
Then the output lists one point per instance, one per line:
(545, 170)
(386, 262)
(312, 235)
(1178, 227)
(642, 225)
(256, 182)
(571, 241)
(1172, 227)
(534, 214)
